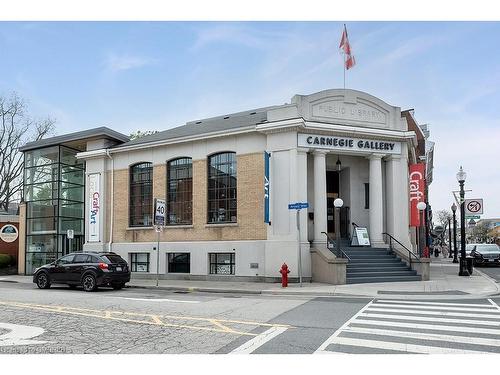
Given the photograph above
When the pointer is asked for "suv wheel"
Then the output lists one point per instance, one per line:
(42, 281)
(88, 283)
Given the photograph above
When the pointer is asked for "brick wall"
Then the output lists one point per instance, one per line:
(250, 217)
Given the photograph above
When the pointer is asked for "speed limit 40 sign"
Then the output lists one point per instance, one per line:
(160, 208)
(473, 206)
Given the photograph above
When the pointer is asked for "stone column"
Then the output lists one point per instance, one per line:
(320, 224)
(376, 213)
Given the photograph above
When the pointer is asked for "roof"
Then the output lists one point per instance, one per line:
(78, 136)
(209, 125)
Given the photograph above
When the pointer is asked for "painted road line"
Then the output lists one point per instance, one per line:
(457, 328)
(432, 303)
(440, 313)
(251, 345)
(20, 335)
(329, 340)
(157, 300)
(426, 336)
(494, 304)
(430, 319)
(409, 348)
(416, 308)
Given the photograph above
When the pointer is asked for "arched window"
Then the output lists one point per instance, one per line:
(141, 195)
(222, 188)
(180, 191)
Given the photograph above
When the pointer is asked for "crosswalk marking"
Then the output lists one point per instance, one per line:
(440, 313)
(401, 347)
(451, 308)
(431, 319)
(426, 336)
(382, 323)
(447, 304)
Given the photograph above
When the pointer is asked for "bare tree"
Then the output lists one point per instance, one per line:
(16, 129)
(443, 216)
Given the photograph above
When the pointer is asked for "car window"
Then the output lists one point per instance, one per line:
(112, 258)
(487, 248)
(81, 258)
(94, 259)
(66, 259)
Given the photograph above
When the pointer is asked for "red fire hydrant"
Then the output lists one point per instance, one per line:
(284, 275)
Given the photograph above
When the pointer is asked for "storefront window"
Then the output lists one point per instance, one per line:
(139, 262)
(180, 191)
(54, 193)
(222, 263)
(222, 191)
(179, 263)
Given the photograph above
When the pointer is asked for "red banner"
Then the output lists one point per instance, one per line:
(417, 191)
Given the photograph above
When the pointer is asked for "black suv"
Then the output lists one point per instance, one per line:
(87, 269)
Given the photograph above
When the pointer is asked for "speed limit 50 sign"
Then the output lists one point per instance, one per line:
(473, 206)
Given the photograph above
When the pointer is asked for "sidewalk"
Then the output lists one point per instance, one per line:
(444, 284)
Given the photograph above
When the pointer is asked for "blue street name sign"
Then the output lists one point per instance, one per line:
(298, 205)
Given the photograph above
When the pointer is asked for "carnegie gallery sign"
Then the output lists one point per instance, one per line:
(346, 143)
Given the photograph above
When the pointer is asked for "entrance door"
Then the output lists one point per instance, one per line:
(71, 246)
(332, 193)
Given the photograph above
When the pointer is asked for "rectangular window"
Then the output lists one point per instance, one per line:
(139, 262)
(222, 263)
(179, 263)
(367, 195)
(180, 192)
(222, 188)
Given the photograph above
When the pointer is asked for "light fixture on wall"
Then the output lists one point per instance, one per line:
(338, 163)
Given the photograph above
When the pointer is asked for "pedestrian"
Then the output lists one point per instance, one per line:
(444, 249)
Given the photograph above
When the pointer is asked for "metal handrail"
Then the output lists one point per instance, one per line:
(354, 225)
(342, 253)
(410, 253)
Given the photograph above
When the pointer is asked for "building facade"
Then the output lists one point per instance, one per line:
(227, 182)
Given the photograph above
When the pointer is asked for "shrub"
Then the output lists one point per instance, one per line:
(6, 260)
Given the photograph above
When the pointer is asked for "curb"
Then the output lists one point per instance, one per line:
(491, 280)
(195, 289)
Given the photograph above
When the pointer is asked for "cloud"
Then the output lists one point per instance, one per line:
(117, 63)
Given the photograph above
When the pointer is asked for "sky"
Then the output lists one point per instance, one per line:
(156, 75)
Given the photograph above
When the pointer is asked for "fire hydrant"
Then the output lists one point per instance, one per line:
(284, 275)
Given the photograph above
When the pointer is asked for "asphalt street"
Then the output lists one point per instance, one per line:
(491, 271)
(60, 320)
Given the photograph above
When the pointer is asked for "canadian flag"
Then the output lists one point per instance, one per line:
(346, 48)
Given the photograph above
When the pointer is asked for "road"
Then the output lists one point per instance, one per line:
(491, 271)
(59, 320)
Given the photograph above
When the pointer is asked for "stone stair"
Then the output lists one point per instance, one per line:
(376, 265)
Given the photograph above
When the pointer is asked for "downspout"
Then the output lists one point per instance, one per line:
(110, 246)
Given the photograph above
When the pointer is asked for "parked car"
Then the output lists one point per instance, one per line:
(487, 253)
(88, 269)
(468, 248)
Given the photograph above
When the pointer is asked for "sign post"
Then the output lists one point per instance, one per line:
(70, 234)
(298, 206)
(159, 224)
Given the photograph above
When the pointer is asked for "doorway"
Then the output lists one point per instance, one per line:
(333, 192)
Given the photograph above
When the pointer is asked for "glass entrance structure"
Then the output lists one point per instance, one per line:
(54, 193)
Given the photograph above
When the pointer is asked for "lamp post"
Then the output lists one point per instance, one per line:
(449, 238)
(461, 176)
(455, 252)
(421, 208)
(337, 203)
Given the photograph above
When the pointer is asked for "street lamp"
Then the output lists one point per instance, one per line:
(421, 206)
(455, 252)
(337, 203)
(461, 176)
(449, 238)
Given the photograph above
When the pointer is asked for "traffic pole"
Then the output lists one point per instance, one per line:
(300, 252)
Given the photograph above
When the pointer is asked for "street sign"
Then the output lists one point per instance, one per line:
(70, 234)
(298, 205)
(473, 206)
(473, 217)
(160, 209)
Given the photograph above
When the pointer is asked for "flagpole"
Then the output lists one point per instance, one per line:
(344, 70)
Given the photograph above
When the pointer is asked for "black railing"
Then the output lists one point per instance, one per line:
(331, 245)
(410, 253)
